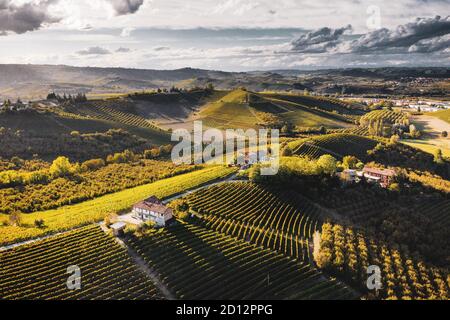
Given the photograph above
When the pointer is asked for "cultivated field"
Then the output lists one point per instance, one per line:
(68, 217)
(197, 263)
(38, 271)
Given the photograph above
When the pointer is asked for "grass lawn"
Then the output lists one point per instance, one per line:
(68, 217)
(429, 146)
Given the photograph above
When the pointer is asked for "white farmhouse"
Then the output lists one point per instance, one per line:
(152, 209)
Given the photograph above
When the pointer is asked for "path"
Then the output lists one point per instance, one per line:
(228, 179)
(14, 245)
(144, 267)
(125, 218)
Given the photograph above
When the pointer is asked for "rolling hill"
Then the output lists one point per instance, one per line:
(245, 109)
(337, 144)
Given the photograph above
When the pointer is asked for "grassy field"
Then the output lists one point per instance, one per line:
(432, 125)
(428, 146)
(443, 115)
(68, 217)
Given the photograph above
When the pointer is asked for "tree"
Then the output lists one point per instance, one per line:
(39, 223)
(444, 134)
(394, 139)
(438, 156)
(413, 132)
(61, 167)
(350, 162)
(360, 166)
(395, 187)
(287, 152)
(327, 164)
(110, 219)
(15, 219)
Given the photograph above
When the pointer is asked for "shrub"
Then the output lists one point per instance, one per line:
(93, 164)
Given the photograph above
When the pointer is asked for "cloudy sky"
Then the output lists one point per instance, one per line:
(237, 35)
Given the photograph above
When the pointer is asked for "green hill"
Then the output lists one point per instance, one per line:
(336, 144)
(243, 109)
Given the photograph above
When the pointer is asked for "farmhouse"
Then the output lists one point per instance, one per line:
(383, 176)
(152, 209)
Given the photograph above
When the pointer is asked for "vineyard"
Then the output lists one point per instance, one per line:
(348, 253)
(110, 110)
(437, 211)
(337, 144)
(386, 115)
(323, 103)
(281, 221)
(197, 263)
(39, 270)
(95, 210)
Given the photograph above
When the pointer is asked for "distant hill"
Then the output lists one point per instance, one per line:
(31, 82)
(36, 81)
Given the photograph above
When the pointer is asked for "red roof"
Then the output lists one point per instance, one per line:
(153, 204)
(382, 172)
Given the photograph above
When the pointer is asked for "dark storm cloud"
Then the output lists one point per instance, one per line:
(25, 17)
(404, 36)
(94, 51)
(123, 7)
(320, 40)
(432, 45)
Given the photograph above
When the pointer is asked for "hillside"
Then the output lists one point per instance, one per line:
(245, 109)
(36, 81)
(39, 270)
(337, 144)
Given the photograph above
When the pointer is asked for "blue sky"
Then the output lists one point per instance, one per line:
(232, 35)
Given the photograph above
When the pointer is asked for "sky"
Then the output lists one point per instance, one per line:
(230, 35)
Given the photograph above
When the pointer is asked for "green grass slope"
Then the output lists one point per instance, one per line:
(231, 111)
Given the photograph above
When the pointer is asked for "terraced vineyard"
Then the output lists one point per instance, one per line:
(197, 263)
(336, 144)
(39, 270)
(387, 116)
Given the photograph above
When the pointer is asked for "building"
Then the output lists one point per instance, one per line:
(382, 176)
(349, 176)
(118, 228)
(152, 209)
